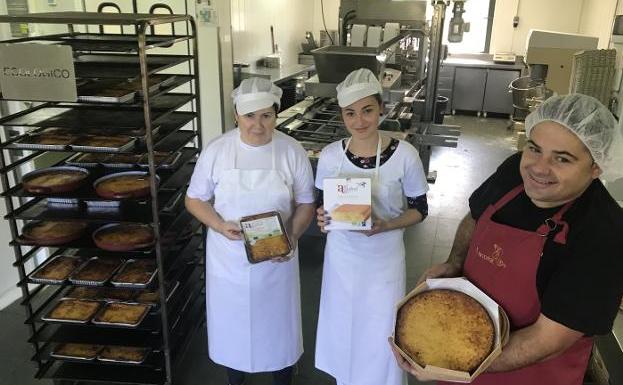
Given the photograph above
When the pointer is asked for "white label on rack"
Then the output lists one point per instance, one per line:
(38, 72)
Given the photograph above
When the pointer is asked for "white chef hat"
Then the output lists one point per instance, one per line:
(591, 122)
(254, 94)
(357, 85)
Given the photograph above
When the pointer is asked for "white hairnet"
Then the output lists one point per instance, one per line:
(357, 85)
(254, 94)
(593, 124)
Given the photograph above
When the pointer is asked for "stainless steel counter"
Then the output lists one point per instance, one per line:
(277, 75)
(481, 63)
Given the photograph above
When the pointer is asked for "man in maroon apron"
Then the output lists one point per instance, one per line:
(544, 239)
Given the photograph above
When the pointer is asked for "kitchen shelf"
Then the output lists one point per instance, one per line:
(163, 117)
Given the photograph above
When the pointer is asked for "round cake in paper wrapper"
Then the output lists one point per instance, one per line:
(445, 328)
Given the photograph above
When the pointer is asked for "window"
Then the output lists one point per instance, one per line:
(18, 7)
(479, 14)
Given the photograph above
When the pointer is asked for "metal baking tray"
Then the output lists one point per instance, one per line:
(124, 97)
(63, 203)
(105, 91)
(76, 160)
(106, 294)
(116, 280)
(128, 195)
(122, 66)
(126, 247)
(97, 319)
(154, 82)
(32, 277)
(111, 42)
(66, 187)
(50, 318)
(129, 144)
(83, 117)
(26, 239)
(114, 263)
(104, 206)
(27, 143)
(171, 288)
(58, 355)
(145, 353)
(167, 163)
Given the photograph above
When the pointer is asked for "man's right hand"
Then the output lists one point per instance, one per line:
(230, 230)
(442, 270)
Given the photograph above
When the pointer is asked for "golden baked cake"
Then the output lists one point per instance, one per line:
(130, 314)
(54, 181)
(58, 268)
(78, 351)
(97, 270)
(351, 213)
(76, 310)
(102, 141)
(124, 158)
(150, 297)
(128, 354)
(124, 186)
(95, 157)
(80, 292)
(138, 272)
(124, 237)
(445, 328)
(271, 247)
(101, 293)
(51, 136)
(53, 232)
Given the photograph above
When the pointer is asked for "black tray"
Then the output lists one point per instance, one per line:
(123, 66)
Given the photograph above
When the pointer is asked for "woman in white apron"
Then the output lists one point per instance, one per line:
(253, 310)
(364, 271)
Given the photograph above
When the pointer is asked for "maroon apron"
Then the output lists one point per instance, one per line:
(503, 261)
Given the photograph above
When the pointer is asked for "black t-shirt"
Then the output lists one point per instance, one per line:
(579, 284)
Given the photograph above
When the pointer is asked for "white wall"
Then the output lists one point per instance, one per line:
(553, 15)
(8, 274)
(597, 18)
(60, 6)
(331, 15)
(251, 21)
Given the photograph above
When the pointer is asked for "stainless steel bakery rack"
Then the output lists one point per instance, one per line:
(162, 116)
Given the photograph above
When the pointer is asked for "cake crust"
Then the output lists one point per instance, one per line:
(445, 328)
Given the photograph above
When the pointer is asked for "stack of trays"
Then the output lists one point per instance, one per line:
(82, 311)
(115, 91)
(97, 271)
(110, 353)
(57, 270)
(61, 139)
(163, 160)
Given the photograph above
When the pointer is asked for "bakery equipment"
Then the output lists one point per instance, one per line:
(550, 56)
(162, 126)
(406, 61)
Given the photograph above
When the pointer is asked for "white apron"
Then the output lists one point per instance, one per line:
(363, 279)
(253, 310)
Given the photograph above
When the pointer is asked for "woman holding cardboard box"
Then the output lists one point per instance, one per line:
(253, 310)
(364, 271)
